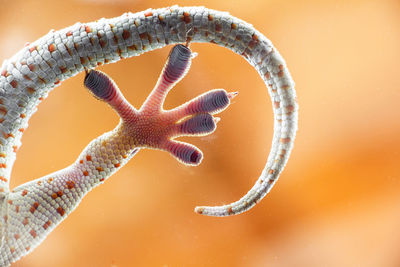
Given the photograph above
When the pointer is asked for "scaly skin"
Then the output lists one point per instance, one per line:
(32, 210)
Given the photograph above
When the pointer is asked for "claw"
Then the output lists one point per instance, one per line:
(194, 54)
(232, 95)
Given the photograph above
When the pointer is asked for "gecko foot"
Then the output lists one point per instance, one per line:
(153, 127)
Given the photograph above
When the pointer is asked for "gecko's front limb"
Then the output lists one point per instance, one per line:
(37, 207)
(153, 127)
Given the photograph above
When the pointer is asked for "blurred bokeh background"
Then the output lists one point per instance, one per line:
(337, 202)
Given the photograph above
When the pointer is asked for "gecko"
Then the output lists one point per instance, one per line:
(29, 212)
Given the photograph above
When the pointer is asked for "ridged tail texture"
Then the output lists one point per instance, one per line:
(27, 77)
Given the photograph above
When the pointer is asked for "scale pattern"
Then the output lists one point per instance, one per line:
(30, 211)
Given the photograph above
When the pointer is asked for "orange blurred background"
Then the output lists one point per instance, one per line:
(337, 202)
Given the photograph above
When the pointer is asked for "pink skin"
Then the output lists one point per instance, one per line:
(153, 127)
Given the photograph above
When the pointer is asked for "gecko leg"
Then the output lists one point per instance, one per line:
(153, 127)
(35, 208)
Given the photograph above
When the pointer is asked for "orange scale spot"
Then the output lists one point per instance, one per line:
(271, 171)
(27, 248)
(88, 158)
(50, 180)
(85, 173)
(41, 98)
(57, 82)
(15, 149)
(116, 165)
(3, 110)
(12, 250)
(88, 29)
(102, 179)
(3, 179)
(3, 155)
(102, 43)
(200, 211)
(3, 165)
(277, 104)
(33, 48)
(1, 189)
(124, 156)
(5, 73)
(16, 236)
(83, 60)
(186, 17)
(290, 108)
(210, 17)
(24, 193)
(46, 225)
(59, 193)
(30, 90)
(54, 196)
(284, 140)
(143, 35)
(63, 69)
(21, 130)
(81, 161)
(115, 39)
(99, 63)
(100, 169)
(7, 135)
(52, 48)
(14, 83)
(31, 67)
(69, 33)
(233, 26)
(126, 34)
(70, 184)
(10, 201)
(61, 211)
(33, 233)
(280, 74)
(230, 210)
(218, 27)
(119, 52)
(17, 208)
(148, 14)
